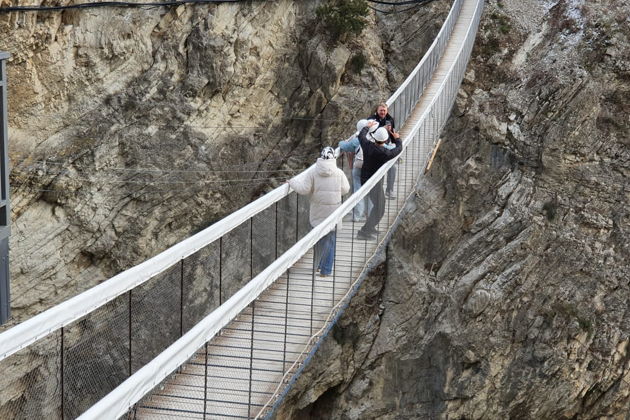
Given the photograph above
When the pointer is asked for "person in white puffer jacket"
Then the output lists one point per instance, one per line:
(324, 183)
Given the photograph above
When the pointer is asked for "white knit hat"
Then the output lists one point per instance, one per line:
(328, 153)
(381, 135)
(361, 124)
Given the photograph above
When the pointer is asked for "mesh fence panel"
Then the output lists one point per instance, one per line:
(287, 222)
(155, 316)
(95, 356)
(303, 223)
(201, 284)
(235, 260)
(265, 244)
(30, 383)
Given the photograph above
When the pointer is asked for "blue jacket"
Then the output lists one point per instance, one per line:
(351, 145)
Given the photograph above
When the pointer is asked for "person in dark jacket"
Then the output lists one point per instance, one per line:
(381, 115)
(383, 118)
(375, 154)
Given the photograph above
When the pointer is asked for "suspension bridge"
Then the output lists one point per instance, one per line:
(221, 324)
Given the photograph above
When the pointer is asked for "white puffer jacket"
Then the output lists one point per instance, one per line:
(324, 184)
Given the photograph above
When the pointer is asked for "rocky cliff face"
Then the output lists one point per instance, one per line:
(130, 129)
(507, 293)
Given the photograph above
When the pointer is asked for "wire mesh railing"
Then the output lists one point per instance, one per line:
(141, 326)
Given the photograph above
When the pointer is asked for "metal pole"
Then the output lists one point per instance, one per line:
(220, 270)
(129, 332)
(62, 374)
(366, 216)
(421, 150)
(413, 145)
(286, 324)
(417, 88)
(286, 303)
(318, 257)
(387, 200)
(205, 383)
(427, 140)
(399, 180)
(5, 292)
(352, 239)
(181, 298)
(276, 206)
(5, 212)
(251, 363)
(414, 156)
(332, 300)
(297, 217)
(407, 166)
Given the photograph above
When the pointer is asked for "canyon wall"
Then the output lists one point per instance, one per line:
(506, 295)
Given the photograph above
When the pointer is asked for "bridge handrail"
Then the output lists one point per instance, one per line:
(426, 66)
(118, 401)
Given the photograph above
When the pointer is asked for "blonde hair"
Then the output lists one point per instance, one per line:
(382, 104)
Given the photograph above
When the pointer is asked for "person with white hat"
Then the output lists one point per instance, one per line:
(375, 155)
(353, 145)
(325, 184)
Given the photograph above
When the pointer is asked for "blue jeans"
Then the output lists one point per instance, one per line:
(359, 209)
(325, 252)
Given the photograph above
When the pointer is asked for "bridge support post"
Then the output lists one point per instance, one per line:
(5, 310)
(5, 212)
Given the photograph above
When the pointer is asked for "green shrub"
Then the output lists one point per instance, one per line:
(503, 22)
(357, 63)
(342, 18)
(550, 208)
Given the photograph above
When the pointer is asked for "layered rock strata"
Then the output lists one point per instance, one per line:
(506, 295)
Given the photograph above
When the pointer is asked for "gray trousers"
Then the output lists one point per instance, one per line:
(377, 198)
